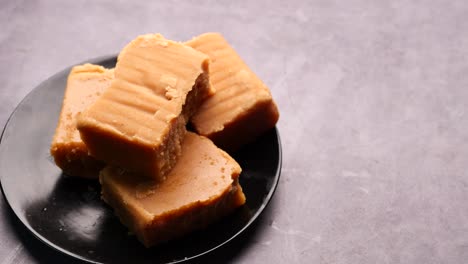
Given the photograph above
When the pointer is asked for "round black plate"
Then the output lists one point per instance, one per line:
(67, 213)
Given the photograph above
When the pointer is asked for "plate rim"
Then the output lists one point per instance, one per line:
(50, 244)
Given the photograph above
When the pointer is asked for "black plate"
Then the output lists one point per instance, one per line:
(67, 213)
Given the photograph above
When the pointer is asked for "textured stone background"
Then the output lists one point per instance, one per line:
(373, 99)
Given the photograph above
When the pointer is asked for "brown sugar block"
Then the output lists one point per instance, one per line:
(139, 121)
(202, 187)
(242, 107)
(84, 85)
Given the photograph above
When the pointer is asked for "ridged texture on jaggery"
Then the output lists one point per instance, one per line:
(139, 122)
(242, 107)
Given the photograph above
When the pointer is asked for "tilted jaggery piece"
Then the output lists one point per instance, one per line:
(139, 121)
(242, 107)
(85, 84)
(201, 188)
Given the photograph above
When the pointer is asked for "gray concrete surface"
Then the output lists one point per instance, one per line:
(374, 118)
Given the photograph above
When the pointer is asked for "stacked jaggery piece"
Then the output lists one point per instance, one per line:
(162, 181)
(139, 123)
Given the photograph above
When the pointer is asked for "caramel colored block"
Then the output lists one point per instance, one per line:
(84, 85)
(242, 107)
(202, 187)
(139, 121)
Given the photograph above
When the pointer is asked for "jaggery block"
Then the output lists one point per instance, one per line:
(85, 84)
(139, 121)
(201, 188)
(242, 107)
